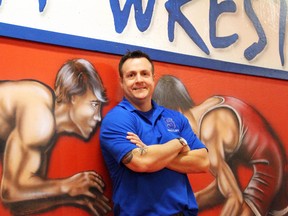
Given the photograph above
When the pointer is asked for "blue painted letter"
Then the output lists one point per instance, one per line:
(143, 20)
(251, 52)
(215, 11)
(282, 29)
(175, 15)
(42, 4)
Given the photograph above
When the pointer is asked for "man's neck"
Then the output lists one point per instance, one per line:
(143, 106)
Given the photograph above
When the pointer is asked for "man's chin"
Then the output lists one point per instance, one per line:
(141, 97)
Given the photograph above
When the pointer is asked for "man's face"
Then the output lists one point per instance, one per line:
(85, 113)
(138, 80)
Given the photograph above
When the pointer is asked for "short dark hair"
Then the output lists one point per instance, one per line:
(131, 55)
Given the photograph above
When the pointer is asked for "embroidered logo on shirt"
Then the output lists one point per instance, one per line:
(170, 124)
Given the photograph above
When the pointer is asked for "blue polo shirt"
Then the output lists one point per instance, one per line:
(162, 193)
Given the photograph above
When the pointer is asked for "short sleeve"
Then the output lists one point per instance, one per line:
(113, 133)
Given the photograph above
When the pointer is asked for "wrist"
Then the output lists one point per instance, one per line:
(182, 141)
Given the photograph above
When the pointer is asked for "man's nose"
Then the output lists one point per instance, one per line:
(139, 78)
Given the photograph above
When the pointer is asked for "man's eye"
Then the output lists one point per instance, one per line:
(146, 74)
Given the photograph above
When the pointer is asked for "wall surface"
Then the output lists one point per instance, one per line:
(234, 48)
(30, 60)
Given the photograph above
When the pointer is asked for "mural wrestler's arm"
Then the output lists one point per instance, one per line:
(219, 132)
(209, 196)
(24, 184)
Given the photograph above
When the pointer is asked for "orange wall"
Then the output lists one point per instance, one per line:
(22, 59)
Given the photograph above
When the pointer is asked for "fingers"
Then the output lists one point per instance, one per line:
(132, 137)
(98, 206)
(93, 174)
(93, 210)
(87, 189)
(101, 203)
(94, 180)
(92, 183)
(88, 203)
(185, 149)
(135, 139)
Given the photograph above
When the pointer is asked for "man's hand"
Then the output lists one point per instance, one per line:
(185, 149)
(135, 139)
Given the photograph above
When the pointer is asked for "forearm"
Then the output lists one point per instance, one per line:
(230, 190)
(154, 157)
(34, 188)
(194, 161)
(34, 196)
(82, 189)
(33, 206)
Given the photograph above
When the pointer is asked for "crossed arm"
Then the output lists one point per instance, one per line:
(172, 155)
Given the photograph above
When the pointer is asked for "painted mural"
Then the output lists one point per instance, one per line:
(54, 94)
(235, 134)
(32, 117)
(245, 138)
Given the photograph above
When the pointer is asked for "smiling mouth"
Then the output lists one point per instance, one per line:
(142, 88)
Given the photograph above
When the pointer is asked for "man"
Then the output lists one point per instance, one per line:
(31, 118)
(236, 135)
(149, 149)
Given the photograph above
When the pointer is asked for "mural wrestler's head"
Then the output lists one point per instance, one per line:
(79, 85)
(180, 99)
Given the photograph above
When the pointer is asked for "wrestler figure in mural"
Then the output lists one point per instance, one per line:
(235, 134)
(32, 115)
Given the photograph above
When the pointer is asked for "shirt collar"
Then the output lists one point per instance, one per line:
(128, 106)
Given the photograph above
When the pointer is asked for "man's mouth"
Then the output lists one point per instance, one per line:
(139, 88)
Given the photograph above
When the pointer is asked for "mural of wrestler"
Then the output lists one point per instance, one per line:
(32, 116)
(235, 134)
